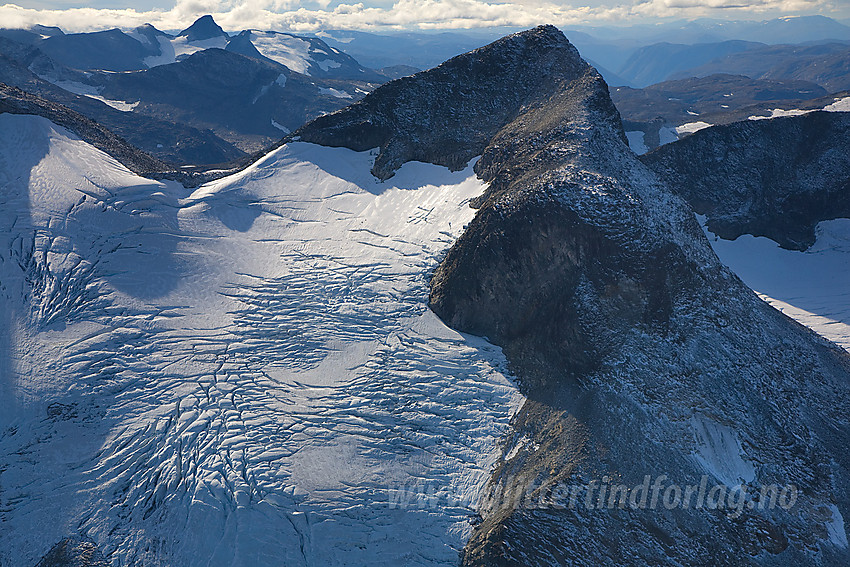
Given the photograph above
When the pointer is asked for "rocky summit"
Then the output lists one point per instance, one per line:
(449, 114)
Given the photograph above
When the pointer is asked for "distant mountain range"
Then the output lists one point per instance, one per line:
(825, 64)
(204, 96)
(197, 97)
(799, 29)
(664, 112)
(420, 50)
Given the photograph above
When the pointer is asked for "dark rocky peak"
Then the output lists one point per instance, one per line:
(203, 28)
(776, 178)
(626, 333)
(242, 45)
(449, 114)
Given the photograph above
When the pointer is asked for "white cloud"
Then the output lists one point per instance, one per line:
(292, 15)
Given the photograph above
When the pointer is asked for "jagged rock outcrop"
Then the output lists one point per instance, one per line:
(449, 114)
(777, 178)
(639, 352)
(74, 552)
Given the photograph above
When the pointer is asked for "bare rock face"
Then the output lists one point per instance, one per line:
(641, 355)
(631, 340)
(777, 178)
(449, 114)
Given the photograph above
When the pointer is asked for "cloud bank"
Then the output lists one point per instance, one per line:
(291, 15)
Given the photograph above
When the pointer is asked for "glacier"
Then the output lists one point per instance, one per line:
(245, 373)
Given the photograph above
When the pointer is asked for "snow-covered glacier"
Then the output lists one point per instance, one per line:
(246, 373)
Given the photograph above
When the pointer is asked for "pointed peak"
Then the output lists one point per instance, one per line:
(203, 28)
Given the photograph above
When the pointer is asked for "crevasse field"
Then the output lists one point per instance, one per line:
(242, 374)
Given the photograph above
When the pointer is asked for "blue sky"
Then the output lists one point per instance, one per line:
(293, 15)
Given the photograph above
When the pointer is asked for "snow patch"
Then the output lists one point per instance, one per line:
(327, 64)
(166, 53)
(288, 50)
(94, 92)
(330, 36)
(334, 92)
(778, 113)
(691, 127)
(280, 127)
(840, 105)
(719, 452)
(172, 50)
(835, 527)
(636, 142)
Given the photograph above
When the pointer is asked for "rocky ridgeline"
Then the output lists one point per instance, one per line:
(777, 178)
(639, 352)
(15, 101)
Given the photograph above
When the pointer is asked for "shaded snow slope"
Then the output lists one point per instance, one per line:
(243, 374)
(811, 286)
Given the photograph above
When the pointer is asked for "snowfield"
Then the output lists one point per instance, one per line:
(809, 286)
(243, 374)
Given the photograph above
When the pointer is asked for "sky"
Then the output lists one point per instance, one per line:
(313, 15)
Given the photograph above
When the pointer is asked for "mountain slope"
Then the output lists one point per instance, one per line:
(27, 68)
(110, 50)
(828, 65)
(309, 56)
(251, 103)
(16, 101)
(658, 62)
(420, 50)
(710, 98)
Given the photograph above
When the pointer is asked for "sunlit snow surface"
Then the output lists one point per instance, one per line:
(243, 374)
(812, 287)
(286, 49)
